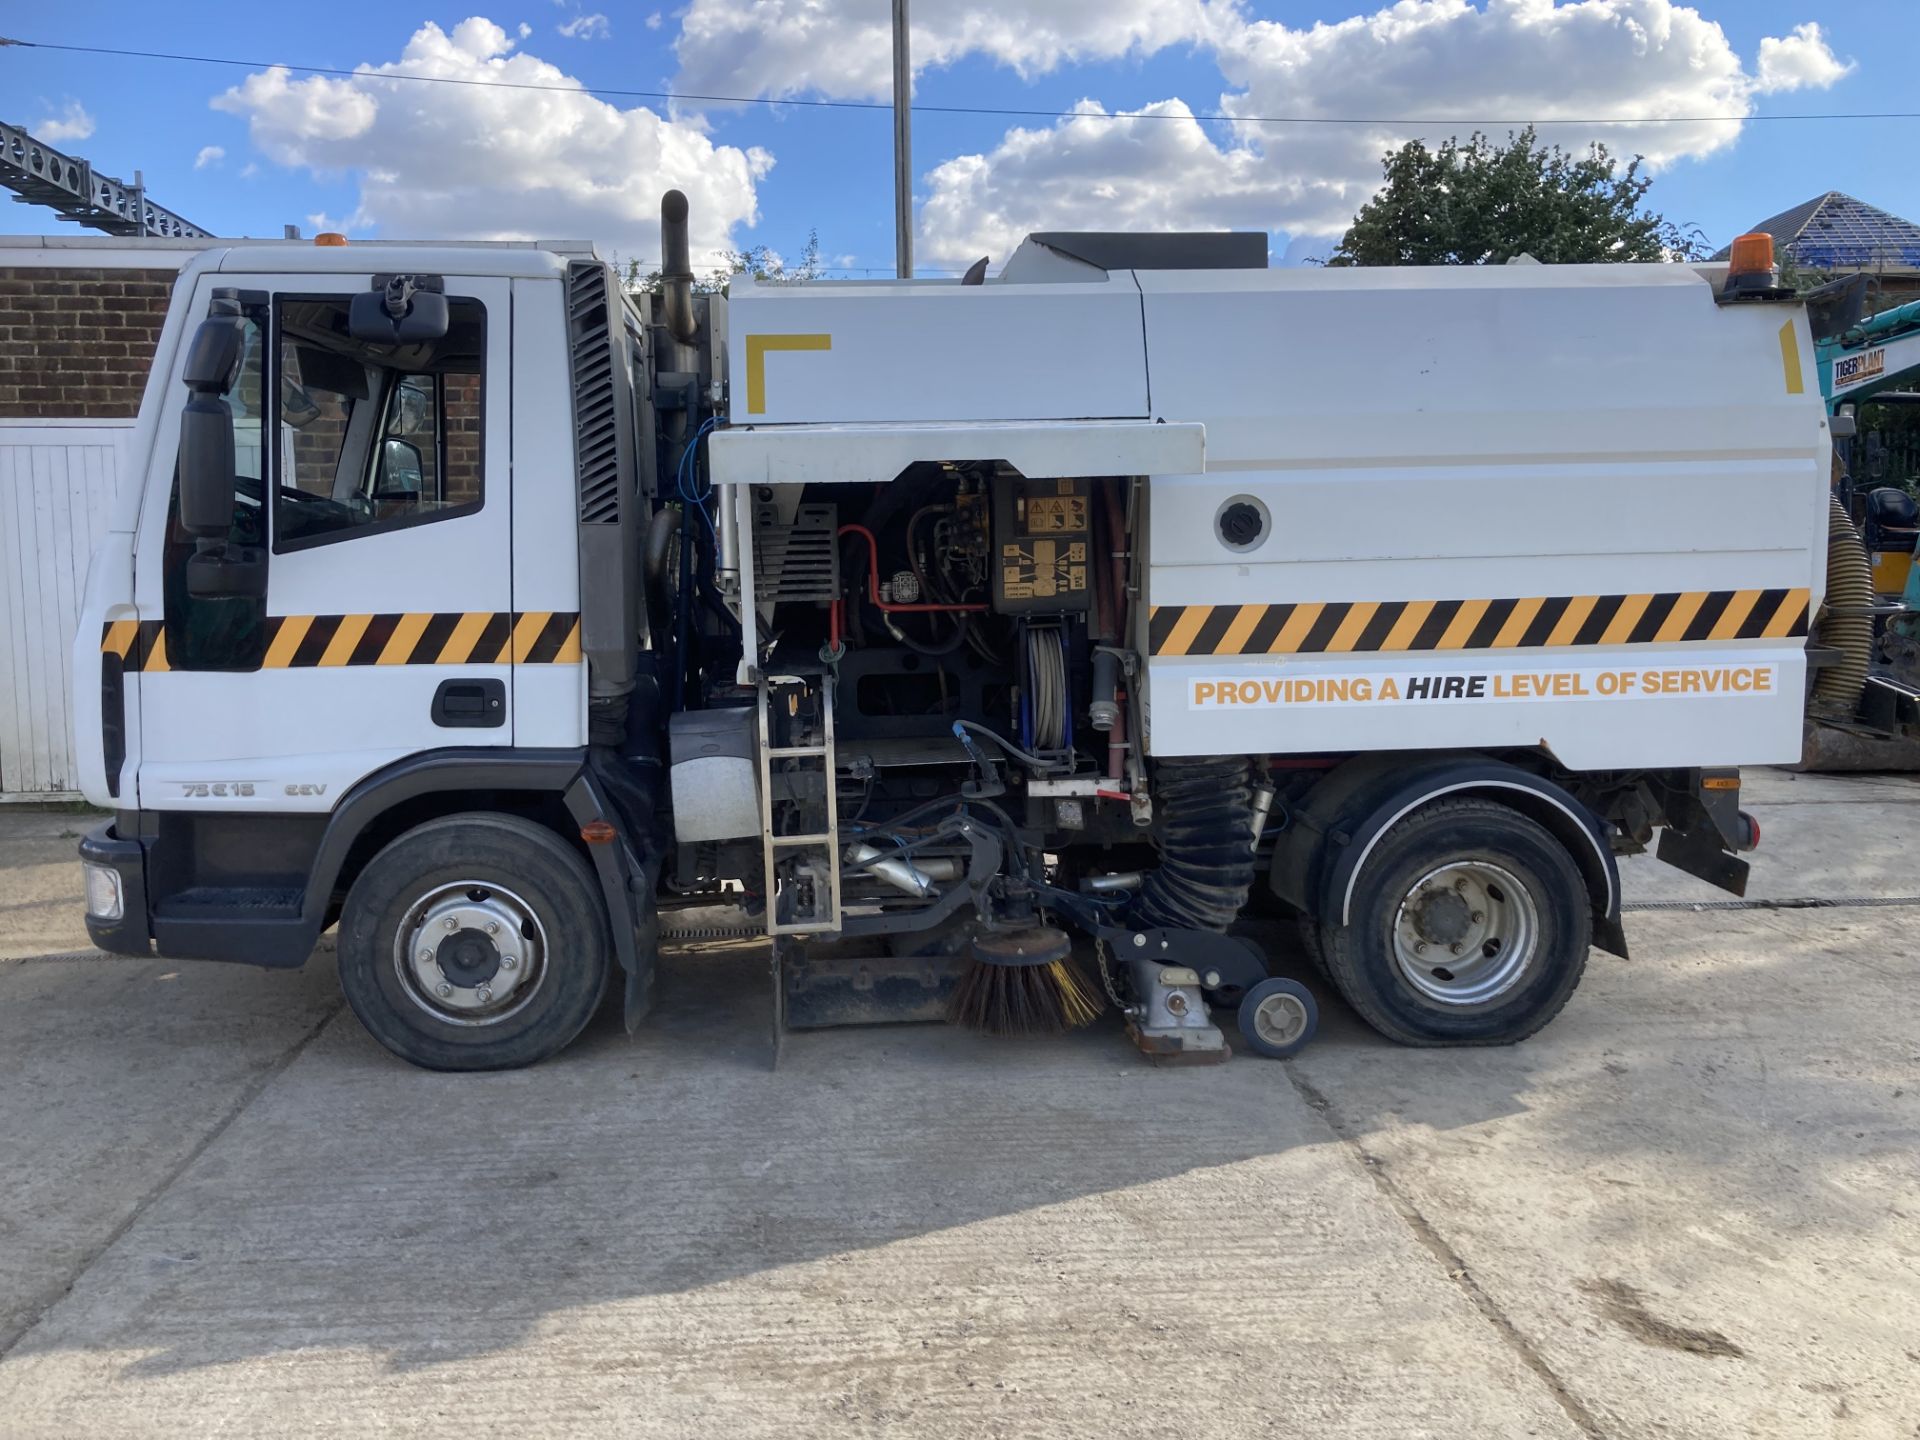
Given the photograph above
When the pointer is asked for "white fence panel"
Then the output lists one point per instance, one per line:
(56, 492)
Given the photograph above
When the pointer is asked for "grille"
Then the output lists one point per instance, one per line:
(796, 561)
(596, 396)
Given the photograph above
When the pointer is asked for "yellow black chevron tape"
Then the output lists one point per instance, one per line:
(1341, 628)
(298, 642)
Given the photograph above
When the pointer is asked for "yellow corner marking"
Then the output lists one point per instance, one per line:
(1790, 360)
(157, 656)
(1348, 635)
(293, 629)
(1625, 618)
(1408, 625)
(1461, 628)
(757, 348)
(569, 652)
(340, 649)
(1515, 630)
(1185, 629)
(119, 637)
(1234, 642)
(406, 634)
(1287, 642)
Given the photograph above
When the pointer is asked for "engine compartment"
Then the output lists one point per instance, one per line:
(956, 640)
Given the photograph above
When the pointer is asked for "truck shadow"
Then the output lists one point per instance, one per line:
(428, 1219)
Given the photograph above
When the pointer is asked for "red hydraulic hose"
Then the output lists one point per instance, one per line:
(873, 582)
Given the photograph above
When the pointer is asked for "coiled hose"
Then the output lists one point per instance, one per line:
(1203, 812)
(1846, 619)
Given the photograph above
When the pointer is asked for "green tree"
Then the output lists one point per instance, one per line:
(1478, 203)
(760, 261)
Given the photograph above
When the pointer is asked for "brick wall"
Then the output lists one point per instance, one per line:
(77, 344)
(463, 438)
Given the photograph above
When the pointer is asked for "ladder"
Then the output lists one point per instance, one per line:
(823, 916)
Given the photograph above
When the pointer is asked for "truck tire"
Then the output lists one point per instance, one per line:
(1469, 925)
(474, 942)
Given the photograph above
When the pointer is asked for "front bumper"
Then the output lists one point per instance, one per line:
(126, 933)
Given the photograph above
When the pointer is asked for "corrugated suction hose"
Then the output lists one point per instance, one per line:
(1203, 811)
(1846, 620)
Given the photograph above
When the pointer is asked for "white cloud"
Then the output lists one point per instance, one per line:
(1592, 61)
(72, 123)
(655, 20)
(1133, 173)
(319, 222)
(1799, 61)
(485, 161)
(586, 27)
(209, 155)
(794, 47)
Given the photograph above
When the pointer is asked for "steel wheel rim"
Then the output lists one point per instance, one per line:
(471, 953)
(1280, 1019)
(1466, 933)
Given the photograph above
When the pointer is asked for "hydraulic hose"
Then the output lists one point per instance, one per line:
(1846, 619)
(1203, 813)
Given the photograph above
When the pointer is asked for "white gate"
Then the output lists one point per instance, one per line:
(56, 492)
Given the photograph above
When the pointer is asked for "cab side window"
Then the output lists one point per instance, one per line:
(375, 438)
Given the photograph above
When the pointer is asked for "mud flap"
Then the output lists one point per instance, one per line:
(627, 883)
(1704, 858)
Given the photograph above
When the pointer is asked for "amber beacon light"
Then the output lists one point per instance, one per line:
(1750, 265)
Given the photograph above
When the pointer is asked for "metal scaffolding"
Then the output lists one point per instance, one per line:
(42, 175)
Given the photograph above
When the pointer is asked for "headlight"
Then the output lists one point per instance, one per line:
(105, 900)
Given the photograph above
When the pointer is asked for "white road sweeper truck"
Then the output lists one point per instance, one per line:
(990, 645)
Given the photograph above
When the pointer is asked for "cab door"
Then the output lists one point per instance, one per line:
(369, 608)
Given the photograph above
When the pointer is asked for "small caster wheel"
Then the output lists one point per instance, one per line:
(1278, 1017)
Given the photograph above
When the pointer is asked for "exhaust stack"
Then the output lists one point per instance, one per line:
(676, 268)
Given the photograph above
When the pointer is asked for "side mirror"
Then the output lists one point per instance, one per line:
(400, 471)
(401, 310)
(206, 429)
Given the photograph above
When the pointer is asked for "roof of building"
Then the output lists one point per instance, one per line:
(1834, 231)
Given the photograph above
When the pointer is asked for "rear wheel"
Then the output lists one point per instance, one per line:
(1469, 925)
(475, 942)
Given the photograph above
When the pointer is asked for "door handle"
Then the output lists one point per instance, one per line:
(470, 704)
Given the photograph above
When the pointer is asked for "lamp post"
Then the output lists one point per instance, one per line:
(902, 144)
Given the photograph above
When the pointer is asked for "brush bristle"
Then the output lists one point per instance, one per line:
(1025, 999)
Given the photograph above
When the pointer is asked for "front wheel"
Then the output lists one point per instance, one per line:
(474, 942)
(1469, 925)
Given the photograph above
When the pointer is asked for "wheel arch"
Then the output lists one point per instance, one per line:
(1342, 820)
(426, 787)
(556, 788)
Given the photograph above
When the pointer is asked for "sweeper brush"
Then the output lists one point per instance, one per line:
(1024, 982)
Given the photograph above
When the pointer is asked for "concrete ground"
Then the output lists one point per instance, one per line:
(1691, 1207)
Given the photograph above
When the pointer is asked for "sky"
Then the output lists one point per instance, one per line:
(245, 149)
